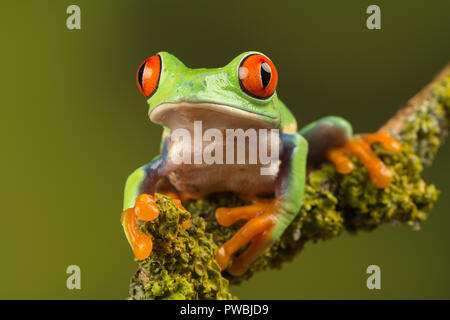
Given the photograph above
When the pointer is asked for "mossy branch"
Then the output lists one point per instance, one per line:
(182, 264)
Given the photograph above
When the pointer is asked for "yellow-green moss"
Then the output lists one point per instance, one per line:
(181, 265)
(424, 131)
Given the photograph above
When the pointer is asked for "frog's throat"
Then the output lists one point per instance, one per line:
(183, 114)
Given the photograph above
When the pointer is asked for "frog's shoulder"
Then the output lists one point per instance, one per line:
(288, 121)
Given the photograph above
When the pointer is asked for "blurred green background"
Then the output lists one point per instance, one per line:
(74, 125)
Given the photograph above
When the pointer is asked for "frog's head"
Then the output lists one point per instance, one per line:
(241, 93)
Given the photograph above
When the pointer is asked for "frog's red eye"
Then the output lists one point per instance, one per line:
(258, 76)
(148, 75)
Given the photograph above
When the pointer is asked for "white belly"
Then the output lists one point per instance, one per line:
(203, 172)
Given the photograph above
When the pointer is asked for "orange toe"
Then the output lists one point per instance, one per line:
(385, 139)
(241, 263)
(146, 208)
(228, 216)
(141, 243)
(343, 164)
(222, 258)
(257, 229)
(360, 147)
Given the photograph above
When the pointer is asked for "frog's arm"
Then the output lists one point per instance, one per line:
(139, 202)
(332, 138)
(144, 179)
(288, 121)
(291, 180)
(267, 218)
(325, 134)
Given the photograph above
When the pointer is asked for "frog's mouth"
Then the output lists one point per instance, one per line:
(212, 115)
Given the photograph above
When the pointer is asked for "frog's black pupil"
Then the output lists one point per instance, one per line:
(141, 73)
(265, 74)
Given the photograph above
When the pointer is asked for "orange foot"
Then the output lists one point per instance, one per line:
(261, 218)
(146, 210)
(360, 147)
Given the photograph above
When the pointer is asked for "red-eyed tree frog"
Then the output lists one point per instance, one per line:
(240, 95)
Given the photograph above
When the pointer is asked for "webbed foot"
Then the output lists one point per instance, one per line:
(146, 210)
(360, 147)
(262, 217)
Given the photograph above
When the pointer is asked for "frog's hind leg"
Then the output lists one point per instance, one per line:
(228, 216)
(261, 220)
(267, 218)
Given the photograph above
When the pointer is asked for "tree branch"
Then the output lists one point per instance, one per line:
(395, 124)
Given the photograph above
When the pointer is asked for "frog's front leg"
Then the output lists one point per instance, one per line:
(139, 203)
(360, 147)
(268, 218)
(332, 138)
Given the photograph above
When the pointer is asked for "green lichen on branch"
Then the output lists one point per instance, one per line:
(182, 264)
(425, 130)
(332, 203)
